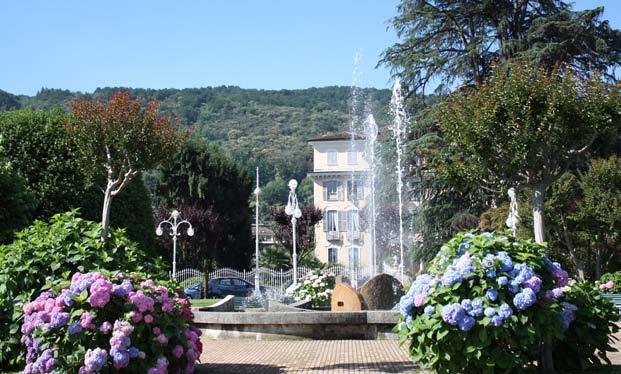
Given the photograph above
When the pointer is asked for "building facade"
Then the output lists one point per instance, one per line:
(339, 175)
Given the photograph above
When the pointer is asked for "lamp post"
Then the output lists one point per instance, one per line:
(257, 290)
(174, 223)
(292, 209)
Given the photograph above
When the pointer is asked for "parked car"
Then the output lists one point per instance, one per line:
(219, 287)
(194, 291)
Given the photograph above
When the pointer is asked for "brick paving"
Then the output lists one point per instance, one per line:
(314, 356)
(304, 356)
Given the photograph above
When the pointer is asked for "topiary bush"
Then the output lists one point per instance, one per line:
(109, 323)
(610, 282)
(589, 336)
(490, 303)
(316, 286)
(54, 250)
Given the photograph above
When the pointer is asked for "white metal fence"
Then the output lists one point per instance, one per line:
(277, 280)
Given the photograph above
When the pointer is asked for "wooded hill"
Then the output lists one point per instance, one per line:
(265, 128)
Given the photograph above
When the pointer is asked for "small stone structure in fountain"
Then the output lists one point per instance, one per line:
(346, 299)
(382, 292)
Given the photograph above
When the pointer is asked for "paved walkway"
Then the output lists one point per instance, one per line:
(306, 356)
(314, 356)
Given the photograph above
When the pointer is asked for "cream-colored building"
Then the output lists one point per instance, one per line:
(339, 175)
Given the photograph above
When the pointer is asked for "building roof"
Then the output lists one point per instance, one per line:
(345, 135)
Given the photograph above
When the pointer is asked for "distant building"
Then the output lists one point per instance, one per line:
(339, 174)
(266, 236)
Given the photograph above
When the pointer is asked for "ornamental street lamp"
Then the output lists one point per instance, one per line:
(257, 290)
(292, 209)
(174, 223)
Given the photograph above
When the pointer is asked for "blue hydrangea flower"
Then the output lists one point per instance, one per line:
(488, 261)
(524, 299)
(74, 328)
(477, 308)
(59, 319)
(488, 235)
(502, 281)
(453, 313)
(466, 323)
(491, 273)
(492, 294)
(496, 321)
(133, 352)
(430, 310)
(522, 272)
(567, 315)
(462, 248)
(489, 312)
(506, 264)
(451, 277)
(505, 311)
(467, 305)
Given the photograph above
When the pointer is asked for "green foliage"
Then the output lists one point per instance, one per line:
(17, 204)
(38, 147)
(274, 257)
(8, 101)
(200, 175)
(615, 278)
(461, 275)
(245, 122)
(54, 250)
(523, 128)
(457, 40)
(590, 337)
(275, 192)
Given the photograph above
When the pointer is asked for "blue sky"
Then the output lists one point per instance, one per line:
(81, 45)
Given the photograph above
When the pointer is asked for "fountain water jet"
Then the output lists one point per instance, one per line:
(397, 108)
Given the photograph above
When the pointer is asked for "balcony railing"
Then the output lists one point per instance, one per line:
(353, 235)
(333, 235)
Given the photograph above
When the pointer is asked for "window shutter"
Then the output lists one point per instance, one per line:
(339, 190)
(342, 221)
(325, 191)
(325, 220)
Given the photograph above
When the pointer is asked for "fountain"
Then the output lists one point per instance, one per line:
(397, 108)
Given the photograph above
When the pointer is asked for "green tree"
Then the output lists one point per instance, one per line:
(305, 230)
(275, 192)
(524, 128)
(17, 204)
(38, 147)
(457, 40)
(120, 139)
(201, 176)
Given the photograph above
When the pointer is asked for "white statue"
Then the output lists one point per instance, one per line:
(514, 219)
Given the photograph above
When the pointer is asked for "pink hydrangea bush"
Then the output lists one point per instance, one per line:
(104, 324)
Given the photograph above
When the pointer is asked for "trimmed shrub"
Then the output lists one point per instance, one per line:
(98, 323)
(381, 292)
(54, 250)
(316, 286)
(490, 303)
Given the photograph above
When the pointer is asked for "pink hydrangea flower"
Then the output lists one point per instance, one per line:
(136, 317)
(148, 318)
(607, 286)
(100, 293)
(86, 320)
(105, 327)
(143, 302)
(419, 300)
(156, 331)
(162, 339)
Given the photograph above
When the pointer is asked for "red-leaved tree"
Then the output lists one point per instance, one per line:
(120, 138)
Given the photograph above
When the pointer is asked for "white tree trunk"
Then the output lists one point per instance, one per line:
(538, 207)
(105, 213)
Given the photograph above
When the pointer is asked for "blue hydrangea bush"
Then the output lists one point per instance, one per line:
(103, 324)
(489, 303)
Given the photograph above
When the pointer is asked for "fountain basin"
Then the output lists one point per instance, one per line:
(314, 325)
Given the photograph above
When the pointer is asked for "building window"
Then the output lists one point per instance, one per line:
(353, 221)
(355, 190)
(352, 157)
(331, 221)
(333, 255)
(354, 258)
(332, 191)
(333, 157)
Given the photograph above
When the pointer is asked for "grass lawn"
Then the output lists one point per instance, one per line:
(203, 302)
